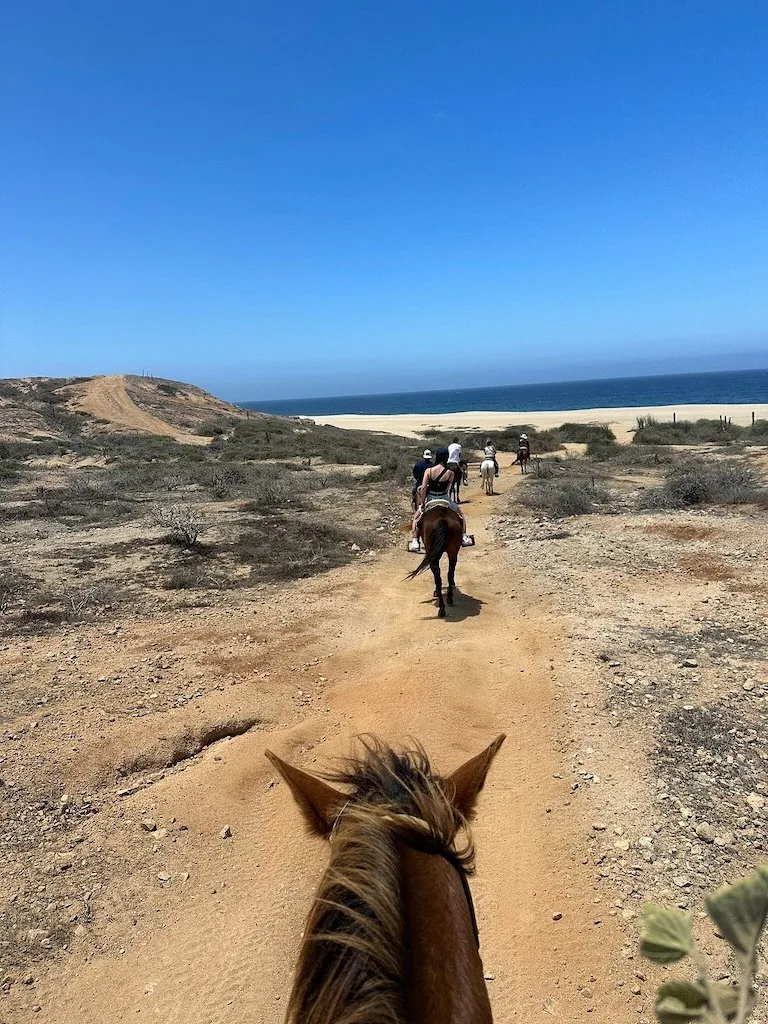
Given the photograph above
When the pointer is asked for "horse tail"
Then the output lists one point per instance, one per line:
(437, 547)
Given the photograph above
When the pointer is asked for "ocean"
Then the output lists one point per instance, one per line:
(722, 388)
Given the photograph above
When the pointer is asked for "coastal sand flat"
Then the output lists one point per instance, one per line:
(623, 422)
(224, 946)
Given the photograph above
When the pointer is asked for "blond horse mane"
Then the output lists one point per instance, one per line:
(351, 967)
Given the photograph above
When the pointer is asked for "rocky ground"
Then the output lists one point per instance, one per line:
(668, 617)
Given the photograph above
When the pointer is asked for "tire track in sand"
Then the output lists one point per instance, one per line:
(107, 398)
(224, 947)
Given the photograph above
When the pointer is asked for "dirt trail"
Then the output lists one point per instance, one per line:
(224, 946)
(107, 398)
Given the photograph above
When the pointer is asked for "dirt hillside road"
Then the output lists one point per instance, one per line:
(107, 398)
(224, 946)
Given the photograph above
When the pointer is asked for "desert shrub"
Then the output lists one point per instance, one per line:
(14, 587)
(603, 448)
(560, 498)
(703, 431)
(739, 914)
(542, 441)
(275, 437)
(759, 428)
(183, 522)
(190, 577)
(7, 390)
(210, 428)
(167, 389)
(695, 482)
(279, 548)
(547, 469)
(81, 601)
(584, 433)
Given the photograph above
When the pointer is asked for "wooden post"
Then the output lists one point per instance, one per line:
(674, 417)
(753, 417)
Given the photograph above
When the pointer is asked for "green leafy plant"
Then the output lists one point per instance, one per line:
(739, 913)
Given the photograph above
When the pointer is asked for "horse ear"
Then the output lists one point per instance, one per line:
(318, 802)
(467, 781)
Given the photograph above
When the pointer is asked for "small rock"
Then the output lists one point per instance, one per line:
(226, 833)
(160, 833)
(598, 826)
(681, 881)
(622, 844)
(557, 917)
(163, 877)
(705, 832)
(80, 931)
(489, 977)
(725, 839)
(148, 824)
(689, 663)
(755, 801)
(748, 685)
(355, 547)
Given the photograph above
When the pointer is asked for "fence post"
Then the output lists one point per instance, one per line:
(674, 417)
(753, 417)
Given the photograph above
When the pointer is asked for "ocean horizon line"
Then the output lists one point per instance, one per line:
(710, 387)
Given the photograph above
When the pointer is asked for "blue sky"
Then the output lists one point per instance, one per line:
(280, 198)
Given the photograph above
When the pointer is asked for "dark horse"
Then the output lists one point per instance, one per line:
(391, 937)
(460, 479)
(441, 532)
(523, 456)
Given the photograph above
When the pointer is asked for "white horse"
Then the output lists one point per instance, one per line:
(487, 472)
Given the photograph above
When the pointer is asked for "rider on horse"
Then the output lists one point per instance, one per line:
(489, 452)
(435, 485)
(424, 463)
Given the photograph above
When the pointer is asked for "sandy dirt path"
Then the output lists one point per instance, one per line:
(107, 398)
(224, 945)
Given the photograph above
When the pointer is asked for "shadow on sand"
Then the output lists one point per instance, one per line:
(465, 607)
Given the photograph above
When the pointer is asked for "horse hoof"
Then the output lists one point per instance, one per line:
(441, 613)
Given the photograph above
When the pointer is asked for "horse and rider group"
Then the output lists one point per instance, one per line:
(438, 521)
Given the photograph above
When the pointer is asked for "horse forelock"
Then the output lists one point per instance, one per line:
(352, 967)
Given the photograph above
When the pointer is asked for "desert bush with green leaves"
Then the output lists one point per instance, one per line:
(697, 482)
(542, 441)
(738, 913)
(703, 431)
(559, 498)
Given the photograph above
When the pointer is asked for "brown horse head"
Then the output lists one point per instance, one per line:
(391, 937)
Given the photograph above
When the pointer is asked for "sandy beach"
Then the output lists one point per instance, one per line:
(621, 421)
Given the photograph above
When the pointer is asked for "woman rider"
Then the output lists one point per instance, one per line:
(489, 452)
(436, 483)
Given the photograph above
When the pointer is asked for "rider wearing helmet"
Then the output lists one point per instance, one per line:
(436, 483)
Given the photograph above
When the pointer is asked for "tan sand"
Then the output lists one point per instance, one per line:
(622, 421)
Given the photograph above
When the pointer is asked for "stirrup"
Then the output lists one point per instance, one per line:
(411, 545)
(468, 540)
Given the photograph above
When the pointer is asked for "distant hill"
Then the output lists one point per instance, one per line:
(59, 407)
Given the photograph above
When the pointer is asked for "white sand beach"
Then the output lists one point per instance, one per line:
(622, 421)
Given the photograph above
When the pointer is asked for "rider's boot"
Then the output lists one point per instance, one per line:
(414, 544)
(468, 540)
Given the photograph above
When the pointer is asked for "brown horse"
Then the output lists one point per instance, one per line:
(460, 479)
(441, 532)
(523, 455)
(391, 937)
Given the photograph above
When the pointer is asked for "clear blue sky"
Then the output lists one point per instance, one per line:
(275, 198)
